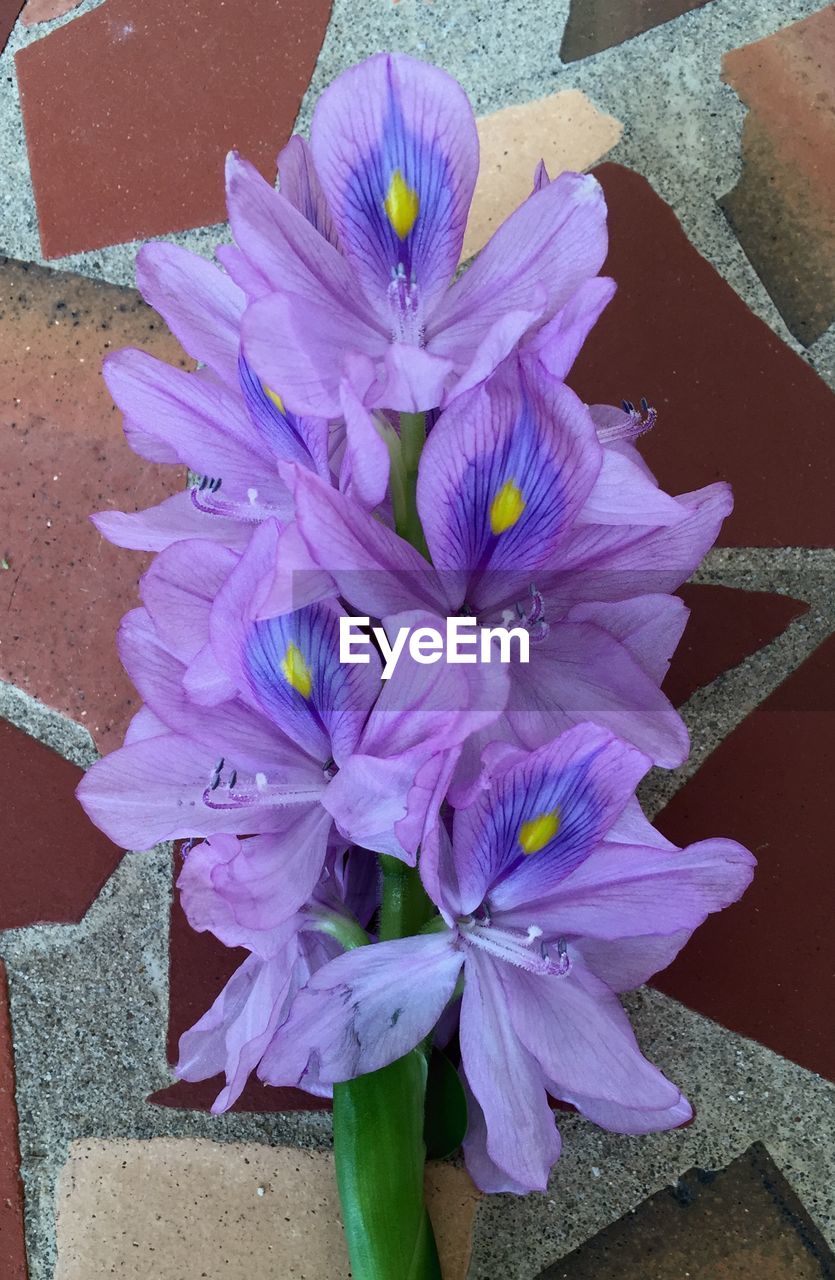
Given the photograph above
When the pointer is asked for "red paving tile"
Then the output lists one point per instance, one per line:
(53, 861)
(783, 207)
(725, 626)
(740, 1223)
(62, 588)
(12, 1244)
(734, 402)
(764, 967)
(9, 9)
(127, 95)
(599, 24)
(199, 967)
(45, 10)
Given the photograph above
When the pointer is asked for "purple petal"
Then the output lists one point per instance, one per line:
(620, 1118)
(178, 591)
(154, 790)
(623, 891)
(626, 963)
(484, 1172)
(232, 1036)
(542, 817)
(201, 306)
(623, 495)
(504, 473)
(202, 421)
(299, 183)
(287, 437)
(396, 150)
(364, 1010)
(300, 345)
(558, 343)
(546, 249)
(364, 475)
(650, 627)
(578, 673)
(171, 521)
(378, 572)
(614, 562)
(576, 1029)
(522, 1140)
(246, 891)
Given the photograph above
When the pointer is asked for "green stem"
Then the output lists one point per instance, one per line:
(378, 1118)
(404, 484)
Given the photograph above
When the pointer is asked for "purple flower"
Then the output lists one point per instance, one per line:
(280, 727)
(236, 889)
(396, 153)
(530, 520)
(555, 894)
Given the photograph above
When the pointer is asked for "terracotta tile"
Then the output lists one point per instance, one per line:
(45, 10)
(783, 207)
(223, 1211)
(9, 9)
(127, 95)
(764, 967)
(734, 402)
(199, 967)
(599, 24)
(725, 626)
(12, 1243)
(740, 1223)
(53, 861)
(62, 588)
(565, 130)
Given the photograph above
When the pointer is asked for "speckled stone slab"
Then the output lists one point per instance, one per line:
(764, 967)
(565, 130)
(63, 589)
(175, 1208)
(53, 861)
(740, 1223)
(734, 402)
(131, 108)
(35, 11)
(598, 24)
(783, 207)
(9, 9)
(725, 626)
(12, 1245)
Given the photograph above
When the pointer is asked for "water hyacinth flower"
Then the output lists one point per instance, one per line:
(376, 439)
(554, 894)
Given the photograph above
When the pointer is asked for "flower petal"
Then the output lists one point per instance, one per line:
(178, 591)
(364, 1010)
(504, 473)
(558, 343)
(623, 494)
(200, 304)
(576, 1029)
(522, 1139)
(396, 150)
(546, 249)
(650, 627)
(299, 183)
(542, 817)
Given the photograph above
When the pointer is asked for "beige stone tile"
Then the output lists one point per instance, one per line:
(565, 130)
(177, 1208)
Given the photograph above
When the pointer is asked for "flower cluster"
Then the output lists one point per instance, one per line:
(370, 435)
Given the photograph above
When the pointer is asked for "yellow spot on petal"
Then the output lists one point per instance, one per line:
(506, 507)
(296, 671)
(536, 832)
(402, 205)
(276, 399)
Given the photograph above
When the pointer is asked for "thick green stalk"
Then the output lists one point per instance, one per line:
(378, 1118)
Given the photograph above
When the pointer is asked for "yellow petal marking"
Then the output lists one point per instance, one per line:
(296, 671)
(402, 205)
(276, 399)
(506, 507)
(536, 832)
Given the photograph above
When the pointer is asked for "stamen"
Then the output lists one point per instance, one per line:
(516, 948)
(404, 301)
(250, 512)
